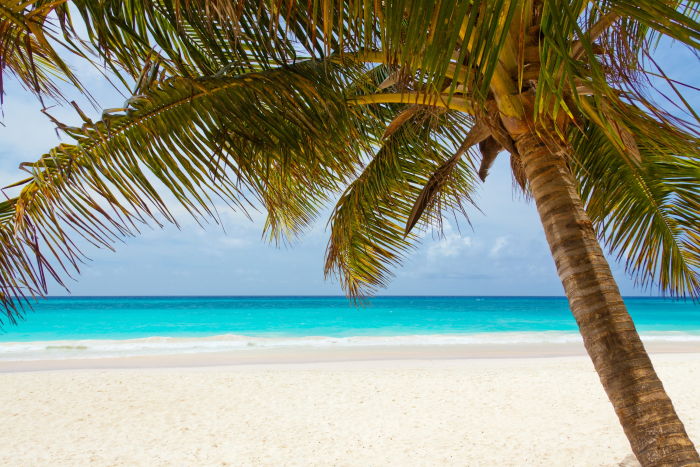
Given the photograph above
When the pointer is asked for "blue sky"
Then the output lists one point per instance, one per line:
(503, 253)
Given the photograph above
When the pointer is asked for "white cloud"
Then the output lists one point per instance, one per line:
(498, 245)
(451, 245)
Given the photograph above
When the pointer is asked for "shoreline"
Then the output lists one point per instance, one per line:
(310, 355)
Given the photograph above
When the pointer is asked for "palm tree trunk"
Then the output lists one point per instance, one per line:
(645, 411)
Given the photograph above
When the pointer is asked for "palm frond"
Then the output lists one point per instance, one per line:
(276, 138)
(367, 235)
(646, 213)
(427, 39)
(199, 38)
(29, 34)
(437, 181)
(593, 57)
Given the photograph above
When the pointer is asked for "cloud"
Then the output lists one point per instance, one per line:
(498, 245)
(451, 245)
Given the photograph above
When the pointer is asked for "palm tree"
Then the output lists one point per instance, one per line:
(285, 104)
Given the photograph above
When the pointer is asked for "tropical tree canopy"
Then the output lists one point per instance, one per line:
(372, 108)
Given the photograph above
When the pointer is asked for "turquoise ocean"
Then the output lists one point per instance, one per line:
(68, 327)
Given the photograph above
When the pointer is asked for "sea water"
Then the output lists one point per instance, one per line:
(65, 327)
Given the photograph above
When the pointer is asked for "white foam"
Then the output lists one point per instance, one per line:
(67, 349)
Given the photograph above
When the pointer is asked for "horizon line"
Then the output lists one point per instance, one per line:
(330, 296)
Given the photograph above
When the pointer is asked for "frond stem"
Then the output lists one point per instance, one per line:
(446, 101)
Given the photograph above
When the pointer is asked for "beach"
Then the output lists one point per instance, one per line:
(433, 405)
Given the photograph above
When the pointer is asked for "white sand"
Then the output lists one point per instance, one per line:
(480, 412)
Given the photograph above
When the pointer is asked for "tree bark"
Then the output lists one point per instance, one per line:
(655, 432)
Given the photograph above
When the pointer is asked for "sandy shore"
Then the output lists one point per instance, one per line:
(416, 410)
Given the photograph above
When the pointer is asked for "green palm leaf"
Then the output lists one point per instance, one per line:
(647, 212)
(248, 137)
(29, 34)
(425, 38)
(256, 137)
(368, 224)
